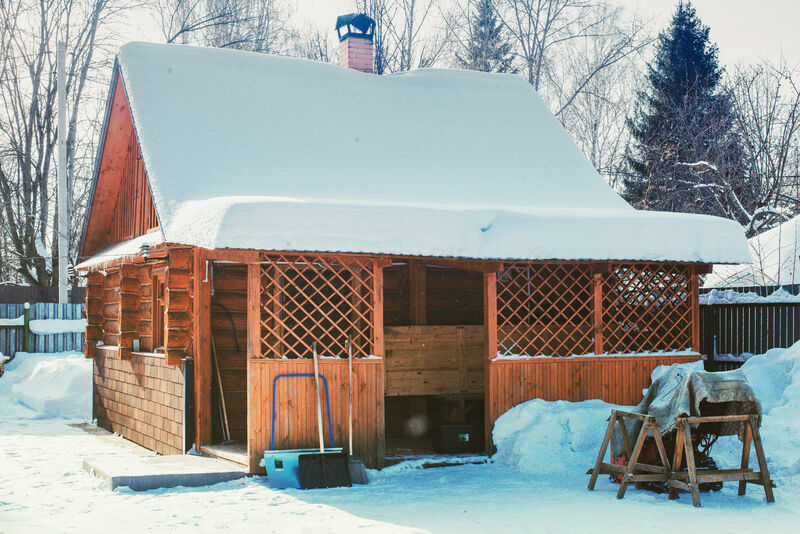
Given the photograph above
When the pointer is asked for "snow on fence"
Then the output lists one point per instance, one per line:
(46, 327)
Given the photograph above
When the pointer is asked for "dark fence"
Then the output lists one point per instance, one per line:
(14, 338)
(14, 294)
(735, 329)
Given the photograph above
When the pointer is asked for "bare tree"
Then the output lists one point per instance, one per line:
(593, 87)
(766, 106)
(311, 43)
(538, 26)
(405, 33)
(27, 120)
(256, 25)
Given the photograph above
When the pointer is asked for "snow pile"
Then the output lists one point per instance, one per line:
(57, 326)
(57, 385)
(551, 437)
(730, 296)
(775, 378)
(563, 437)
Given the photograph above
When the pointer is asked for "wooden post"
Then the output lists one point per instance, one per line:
(202, 348)
(26, 327)
(253, 310)
(377, 318)
(490, 348)
(417, 291)
(598, 311)
(694, 294)
(278, 349)
(255, 399)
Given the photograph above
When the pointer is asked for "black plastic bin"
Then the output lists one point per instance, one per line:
(452, 438)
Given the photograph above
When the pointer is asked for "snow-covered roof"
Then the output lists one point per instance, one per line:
(247, 150)
(775, 260)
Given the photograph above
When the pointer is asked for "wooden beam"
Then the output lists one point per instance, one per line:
(490, 347)
(201, 348)
(377, 319)
(417, 290)
(703, 268)
(233, 255)
(481, 266)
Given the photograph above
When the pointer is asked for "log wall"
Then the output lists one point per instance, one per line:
(296, 421)
(618, 380)
(140, 399)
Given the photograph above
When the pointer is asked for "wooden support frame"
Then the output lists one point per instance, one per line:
(597, 286)
(202, 348)
(671, 473)
(490, 348)
(694, 294)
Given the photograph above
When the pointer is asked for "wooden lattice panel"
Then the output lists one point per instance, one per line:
(545, 309)
(647, 307)
(310, 298)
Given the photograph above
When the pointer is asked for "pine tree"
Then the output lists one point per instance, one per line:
(487, 48)
(685, 156)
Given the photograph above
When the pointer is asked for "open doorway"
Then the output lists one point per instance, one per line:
(434, 338)
(229, 362)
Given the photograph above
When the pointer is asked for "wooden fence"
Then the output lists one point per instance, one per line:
(19, 337)
(14, 294)
(746, 328)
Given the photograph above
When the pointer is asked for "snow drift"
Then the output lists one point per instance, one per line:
(42, 386)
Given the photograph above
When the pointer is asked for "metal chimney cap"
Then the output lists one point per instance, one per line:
(355, 21)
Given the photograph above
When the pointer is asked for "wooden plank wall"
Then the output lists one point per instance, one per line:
(618, 380)
(140, 399)
(134, 212)
(296, 421)
(230, 293)
(434, 360)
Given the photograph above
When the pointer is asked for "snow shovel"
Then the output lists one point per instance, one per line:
(358, 474)
(323, 469)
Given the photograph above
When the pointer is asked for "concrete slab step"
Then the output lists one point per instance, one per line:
(141, 473)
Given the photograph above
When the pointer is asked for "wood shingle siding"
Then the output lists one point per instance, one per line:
(140, 399)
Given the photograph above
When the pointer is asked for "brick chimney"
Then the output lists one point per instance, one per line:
(355, 42)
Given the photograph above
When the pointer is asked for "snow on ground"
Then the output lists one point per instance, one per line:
(535, 483)
(57, 326)
(730, 296)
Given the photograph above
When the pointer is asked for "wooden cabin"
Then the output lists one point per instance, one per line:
(246, 206)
